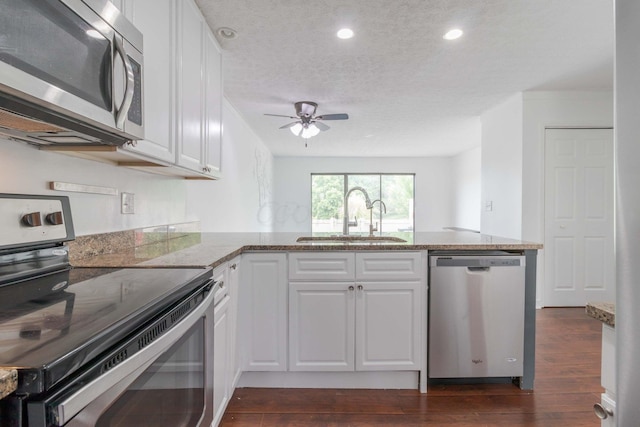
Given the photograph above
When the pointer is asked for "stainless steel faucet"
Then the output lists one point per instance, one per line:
(346, 223)
(384, 210)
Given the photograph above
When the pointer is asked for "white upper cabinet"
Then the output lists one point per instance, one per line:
(213, 104)
(199, 93)
(190, 86)
(182, 95)
(156, 21)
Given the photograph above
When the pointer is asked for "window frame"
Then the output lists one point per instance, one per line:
(346, 187)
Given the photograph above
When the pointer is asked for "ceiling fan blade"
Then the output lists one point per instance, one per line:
(341, 116)
(280, 115)
(290, 125)
(321, 126)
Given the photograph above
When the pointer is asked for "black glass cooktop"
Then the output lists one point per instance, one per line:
(53, 325)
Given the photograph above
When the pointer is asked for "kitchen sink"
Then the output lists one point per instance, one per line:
(348, 239)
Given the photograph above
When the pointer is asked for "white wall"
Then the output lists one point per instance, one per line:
(502, 169)
(158, 200)
(241, 200)
(627, 140)
(231, 204)
(466, 189)
(292, 204)
(552, 109)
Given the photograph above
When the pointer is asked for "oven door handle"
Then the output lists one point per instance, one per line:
(121, 376)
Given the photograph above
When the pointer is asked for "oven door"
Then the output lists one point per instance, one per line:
(169, 382)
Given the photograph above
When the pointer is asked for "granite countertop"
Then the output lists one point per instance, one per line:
(212, 249)
(8, 382)
(603, 311)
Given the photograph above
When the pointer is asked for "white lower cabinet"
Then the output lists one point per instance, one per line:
(368, 323)
(607, 409)
(388, 326)
(225, 365)
(346, 326)
(263, 312)
(220, 358)
(321, 326)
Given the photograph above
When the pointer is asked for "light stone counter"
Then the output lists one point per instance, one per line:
(602, 311)
(8, 382)
(212, 249)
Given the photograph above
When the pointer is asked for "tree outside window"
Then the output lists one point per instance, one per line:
(396, 191)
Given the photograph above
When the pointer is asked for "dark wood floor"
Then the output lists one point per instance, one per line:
(567, 384)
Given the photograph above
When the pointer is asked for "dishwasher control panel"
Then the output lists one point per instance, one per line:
(477, 261)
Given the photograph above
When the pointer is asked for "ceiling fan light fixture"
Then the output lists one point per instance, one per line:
(296, 129)
(309, 131)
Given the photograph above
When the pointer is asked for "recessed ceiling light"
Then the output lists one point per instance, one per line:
(227, 33)
(345, 33)
(453, 34)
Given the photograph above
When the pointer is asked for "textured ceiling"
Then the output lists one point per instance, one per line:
(407, 91)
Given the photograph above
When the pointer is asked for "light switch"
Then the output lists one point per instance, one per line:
(127, 206)
(488, 205)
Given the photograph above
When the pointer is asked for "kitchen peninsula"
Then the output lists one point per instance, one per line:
(303, 314)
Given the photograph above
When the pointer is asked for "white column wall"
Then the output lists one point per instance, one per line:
(627, 140)
(467, 189)
(502, 169)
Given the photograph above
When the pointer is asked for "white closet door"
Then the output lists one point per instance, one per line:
(579, 217)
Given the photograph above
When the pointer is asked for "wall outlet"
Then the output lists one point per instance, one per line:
(127, 203)
(488, 205)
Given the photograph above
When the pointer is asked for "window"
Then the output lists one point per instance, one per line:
(328, 192)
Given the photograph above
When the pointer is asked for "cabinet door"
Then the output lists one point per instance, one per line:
(213, 104)
(388, 326)
(321, 326)
(220, 358)
(263, 312)
(190, 86)
(156, 22)
(233, 279)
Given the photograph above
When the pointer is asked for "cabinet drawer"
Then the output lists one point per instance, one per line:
(388, 266)
(321, 266)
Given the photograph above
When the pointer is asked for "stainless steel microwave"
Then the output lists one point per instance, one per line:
(71, 72)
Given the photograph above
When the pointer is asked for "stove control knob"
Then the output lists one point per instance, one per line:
(32, 219)
(54, 218)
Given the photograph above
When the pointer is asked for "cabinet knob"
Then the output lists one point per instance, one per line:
(360, 287)
(221, 284)
(234, 266)
(602, 412)
(351, 288)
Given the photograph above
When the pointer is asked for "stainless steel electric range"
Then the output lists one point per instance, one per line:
(98, 346)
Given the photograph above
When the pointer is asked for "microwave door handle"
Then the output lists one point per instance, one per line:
(130, 83)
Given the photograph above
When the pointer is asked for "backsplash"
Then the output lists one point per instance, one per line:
(139, 240)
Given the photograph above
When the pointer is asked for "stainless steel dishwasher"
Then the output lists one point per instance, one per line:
(476, 314)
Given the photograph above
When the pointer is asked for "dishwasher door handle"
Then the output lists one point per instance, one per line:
(478, 269)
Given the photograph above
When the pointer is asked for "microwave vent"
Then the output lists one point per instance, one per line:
(11, 120)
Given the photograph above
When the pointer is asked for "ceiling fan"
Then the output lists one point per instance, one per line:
(307, 124)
